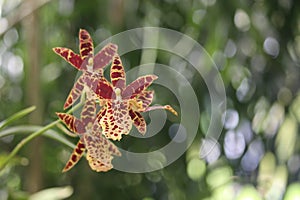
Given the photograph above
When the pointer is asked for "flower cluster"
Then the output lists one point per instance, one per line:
(120, 105)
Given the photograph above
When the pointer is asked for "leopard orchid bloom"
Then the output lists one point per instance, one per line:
(123, 104)
(99, 149)
(91, 66)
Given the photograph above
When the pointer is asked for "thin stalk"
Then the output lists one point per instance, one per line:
(30, 137)
(52, 134)
(16, 116)
(25, 141)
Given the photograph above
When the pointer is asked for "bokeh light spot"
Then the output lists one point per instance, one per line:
(230, 119)
(198, 15)
(177, 133)
(248, 192)
(293, 192)
(271, 46)
(3, 25)
(234, 144)
(294, 163)
(209, 150)
(286, 138)
(219, 176)
(230, 49)
(11, 37)
(241, 20)
(196, 169)
(245, 129)
(246, 90)
(15, 67)
(273, 119)
(253, 155)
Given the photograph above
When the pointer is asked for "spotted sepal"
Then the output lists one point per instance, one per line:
(86, 46)
(138, 121)
(87, 80)
(75, 125)
(104, 56)
(88, 114)
(71, 57)
(75, 92)
(75, 156)
(104, 90)
(137, 86)
(91, 81)
(117, 73)
(142, 101)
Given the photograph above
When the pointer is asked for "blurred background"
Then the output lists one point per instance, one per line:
(256, 47)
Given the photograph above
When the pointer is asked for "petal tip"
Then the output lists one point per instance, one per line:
(56, 49)
(172, 110)
(154, 77)
(59, 114)
(64, 170)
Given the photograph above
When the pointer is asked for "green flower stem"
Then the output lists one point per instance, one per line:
(52, 134)
(25, 141)
(30, 137)
(16, 116)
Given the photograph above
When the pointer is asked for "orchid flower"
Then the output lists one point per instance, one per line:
(123, 104)
(91, 66)
(99, 149)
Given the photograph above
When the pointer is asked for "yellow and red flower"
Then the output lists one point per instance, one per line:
(91, 66)
(99, 149)
(122, 105)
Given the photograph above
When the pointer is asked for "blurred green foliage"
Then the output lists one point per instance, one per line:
(256, 47)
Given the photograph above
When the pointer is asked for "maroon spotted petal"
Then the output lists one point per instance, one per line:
(117, 73)
(75, 92)
(86, 46)
(75, 125)
(88, 113)
(138, 121)
(105, 90)
(104, 56)
(71, 57)
(75, 156)
(138, 86)
(145, 98)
